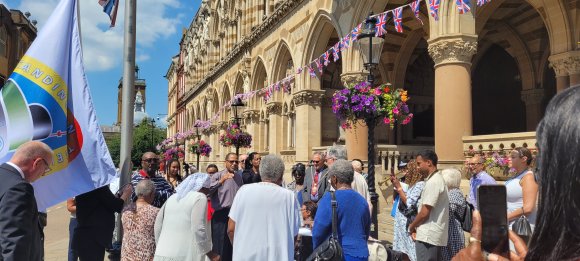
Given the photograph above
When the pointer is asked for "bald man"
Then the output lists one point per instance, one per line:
(20, 230)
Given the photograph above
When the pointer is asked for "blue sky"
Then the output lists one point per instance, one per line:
(159, 29)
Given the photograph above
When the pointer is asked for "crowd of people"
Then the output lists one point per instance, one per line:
(247, 212)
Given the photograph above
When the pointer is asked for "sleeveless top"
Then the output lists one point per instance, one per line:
(515, 197)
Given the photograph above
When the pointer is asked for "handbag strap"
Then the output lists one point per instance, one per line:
(334, 205)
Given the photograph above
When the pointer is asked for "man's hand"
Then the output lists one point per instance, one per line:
(226, 177)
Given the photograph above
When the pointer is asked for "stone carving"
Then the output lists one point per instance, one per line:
(532, 96)
(308, 97)
(273, 108)
(246, 78)
(251, 116)
(351, 78)
(565, 64)
(452, 51)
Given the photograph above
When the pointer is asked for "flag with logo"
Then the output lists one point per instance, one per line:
(47, 99)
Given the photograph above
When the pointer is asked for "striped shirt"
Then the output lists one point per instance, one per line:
(163, 189)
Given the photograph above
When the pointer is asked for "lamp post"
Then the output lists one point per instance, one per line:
(198, 136)
(235, 105)
(370, 48)
(152, 130)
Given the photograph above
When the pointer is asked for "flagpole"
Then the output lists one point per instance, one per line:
(128, 96)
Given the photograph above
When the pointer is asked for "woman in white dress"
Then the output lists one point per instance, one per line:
(522, 189)
(182, 230)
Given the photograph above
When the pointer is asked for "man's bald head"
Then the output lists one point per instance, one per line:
(148, 154)
(28, 158)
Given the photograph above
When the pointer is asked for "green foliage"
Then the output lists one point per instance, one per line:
(145, 137)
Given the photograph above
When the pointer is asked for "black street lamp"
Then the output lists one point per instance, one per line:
(237, 103)
(368, 45)
(198, 136)
(152, 130)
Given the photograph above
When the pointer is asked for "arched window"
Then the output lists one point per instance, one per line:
(3, 41)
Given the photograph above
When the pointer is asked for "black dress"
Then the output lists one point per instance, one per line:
(249, 177)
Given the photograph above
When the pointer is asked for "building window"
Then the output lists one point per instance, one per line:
(3, 41)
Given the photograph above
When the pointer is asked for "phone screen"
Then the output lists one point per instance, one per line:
(491, 200)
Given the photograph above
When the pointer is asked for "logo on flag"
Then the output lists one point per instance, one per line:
(398, 19)
(463, 6)
(47, 99)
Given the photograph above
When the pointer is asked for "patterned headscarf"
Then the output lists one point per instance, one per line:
(192, 183)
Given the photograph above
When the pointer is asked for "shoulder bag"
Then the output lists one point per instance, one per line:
(522, 227)
(330, 249)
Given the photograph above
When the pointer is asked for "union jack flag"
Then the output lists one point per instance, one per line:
(356, 32)
(345, 42)
(319, 65)
(398, 19)
(336, 51)
(311, 71)
(381, 25)
(415, 8)
(463, 6)
(299, 70)
(482, 2)
(434, 9)
(326, 58)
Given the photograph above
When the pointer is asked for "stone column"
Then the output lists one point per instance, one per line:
(533, 99)
(357, 136)
(308, 122)
(251, 120)
(567, 68)
(453, 116)
(274, 110)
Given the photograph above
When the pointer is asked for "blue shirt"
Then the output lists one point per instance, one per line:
(354, 222)
(162, 188)
(481, 178)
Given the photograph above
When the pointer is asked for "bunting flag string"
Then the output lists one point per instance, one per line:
(344, 43)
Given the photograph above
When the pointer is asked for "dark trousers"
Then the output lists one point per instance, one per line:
(219, 234)
(87, 247)
(427, 252)
(72, 254)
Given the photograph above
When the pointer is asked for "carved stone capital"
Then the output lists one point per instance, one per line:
(352, 78)
(273, 108)
(251, 116)
(308, 97)
(452, 50)
(565, 63)
(532, 96)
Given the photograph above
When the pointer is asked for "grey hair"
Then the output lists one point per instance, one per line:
(356, 165)
(452, 177)
(144, 188)
(320, 154)
(342, 170)
(271, 168)
(337, 152)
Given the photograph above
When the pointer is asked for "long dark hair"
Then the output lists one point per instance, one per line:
(248, 164)
(557, 233)
(178, 176)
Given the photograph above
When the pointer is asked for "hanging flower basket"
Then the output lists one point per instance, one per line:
(235, 136)
(200, 147)
(173, 153)
(362, 101)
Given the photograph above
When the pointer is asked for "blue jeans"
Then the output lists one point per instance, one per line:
(72, 254)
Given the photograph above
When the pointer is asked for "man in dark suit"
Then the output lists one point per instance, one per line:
(20, 230)
(96, 221)
(316, 179)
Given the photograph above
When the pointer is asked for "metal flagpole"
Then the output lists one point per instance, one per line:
(128, 97)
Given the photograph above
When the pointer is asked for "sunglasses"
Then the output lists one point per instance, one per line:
(232, 161)
(315, 161)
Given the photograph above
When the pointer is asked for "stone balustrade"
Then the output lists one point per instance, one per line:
(498, 142)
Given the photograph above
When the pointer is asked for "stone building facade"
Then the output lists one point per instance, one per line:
(16, 34)
(479, 79)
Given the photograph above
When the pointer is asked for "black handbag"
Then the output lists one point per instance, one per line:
(522, 228)
(330, 249)
(467, 221)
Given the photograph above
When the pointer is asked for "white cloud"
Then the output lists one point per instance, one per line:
(103, 46)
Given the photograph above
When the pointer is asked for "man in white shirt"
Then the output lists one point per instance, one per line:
(264, 217)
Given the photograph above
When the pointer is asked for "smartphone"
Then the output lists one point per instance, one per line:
(492, 203)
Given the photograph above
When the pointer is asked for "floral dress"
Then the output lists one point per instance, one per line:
(402, 241)
(139, 236)
(456, 240)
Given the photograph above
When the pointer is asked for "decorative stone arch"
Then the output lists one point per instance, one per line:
(321, 29)
(239, 84)
(259, 77)
(280, 66)
(224, 99)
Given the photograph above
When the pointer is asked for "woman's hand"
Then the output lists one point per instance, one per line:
(474, 251)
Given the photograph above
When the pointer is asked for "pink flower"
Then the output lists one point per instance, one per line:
(377, 91)
(406, 121)
(396, 110)
(387, 120)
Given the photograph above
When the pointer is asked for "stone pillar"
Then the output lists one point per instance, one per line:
(252, 125)
(453, 116)
(308, 122)
(533, 99)
(274, 110)
(357, 136)
(567, 68)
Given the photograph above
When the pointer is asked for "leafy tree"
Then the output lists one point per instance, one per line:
(145, 138)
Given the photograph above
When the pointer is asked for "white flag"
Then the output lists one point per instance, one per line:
(47, 98)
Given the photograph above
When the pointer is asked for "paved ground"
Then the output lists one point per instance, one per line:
(56, 233)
